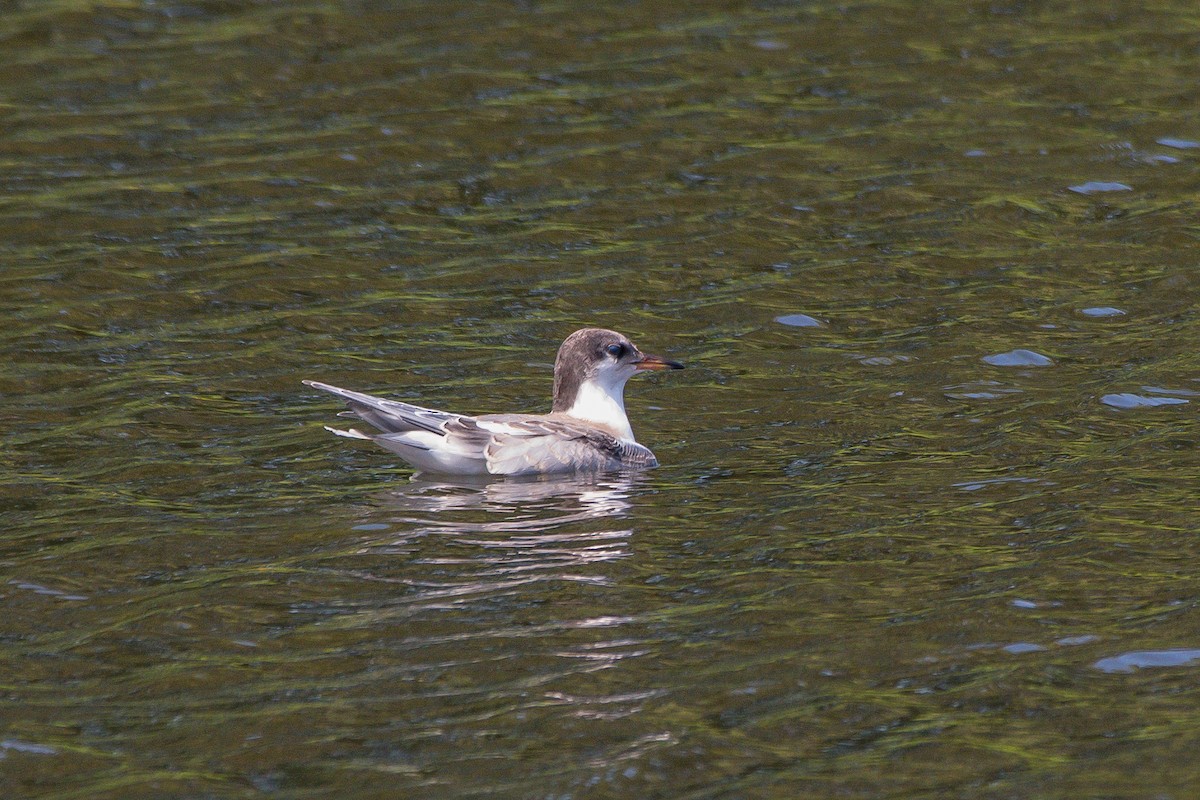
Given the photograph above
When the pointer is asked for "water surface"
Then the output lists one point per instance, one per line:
(872, 564)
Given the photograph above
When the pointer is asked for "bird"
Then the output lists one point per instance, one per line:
(586, 430)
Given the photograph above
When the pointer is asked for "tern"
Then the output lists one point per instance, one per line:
(586, 430)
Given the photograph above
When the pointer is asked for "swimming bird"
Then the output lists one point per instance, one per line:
(586, 430)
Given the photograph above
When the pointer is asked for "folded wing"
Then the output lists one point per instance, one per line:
(527, 445)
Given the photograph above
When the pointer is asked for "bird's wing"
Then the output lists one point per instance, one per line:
(391, 416)
(527, 444)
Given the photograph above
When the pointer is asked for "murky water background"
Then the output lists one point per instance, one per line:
(874, 564)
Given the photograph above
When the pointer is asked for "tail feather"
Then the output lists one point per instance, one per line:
(350, 434)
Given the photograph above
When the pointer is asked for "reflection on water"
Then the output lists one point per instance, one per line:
(498, 535)
(454, 544)
(1146, 659)
(517, 505)
(502, 605)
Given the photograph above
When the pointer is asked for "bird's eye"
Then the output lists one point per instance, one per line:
(615, 350)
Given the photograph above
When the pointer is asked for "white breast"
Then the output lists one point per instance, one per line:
(602, 405)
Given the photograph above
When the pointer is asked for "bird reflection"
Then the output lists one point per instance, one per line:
(524, 505)
(488, 537)
(505, 586)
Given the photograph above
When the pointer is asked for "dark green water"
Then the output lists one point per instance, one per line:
(872, 565)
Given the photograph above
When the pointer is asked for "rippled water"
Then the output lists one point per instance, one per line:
(925, 524)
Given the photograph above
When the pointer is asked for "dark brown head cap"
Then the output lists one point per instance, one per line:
(578, 357)
(585, 350)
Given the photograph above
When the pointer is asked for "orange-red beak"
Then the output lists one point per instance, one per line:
(654, 362)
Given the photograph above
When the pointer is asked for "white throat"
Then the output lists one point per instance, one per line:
(602, 405)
